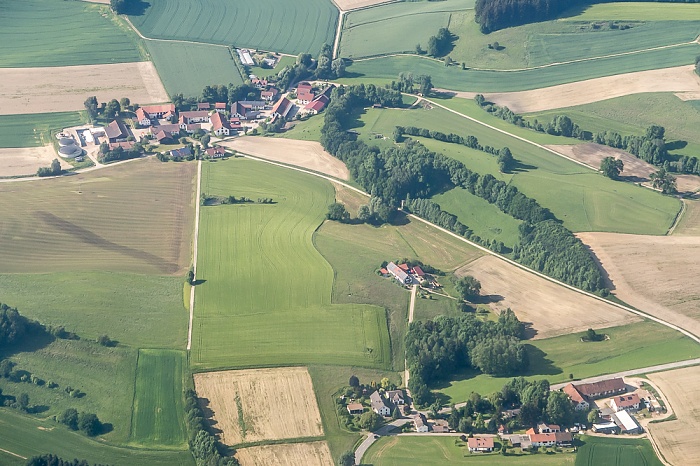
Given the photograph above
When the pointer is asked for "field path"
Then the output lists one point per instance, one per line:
(13, 454)
(645, 315)
(195, 241)
(411, 309)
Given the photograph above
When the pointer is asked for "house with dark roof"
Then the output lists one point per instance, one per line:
(419, 423)
(282, 107)
(395, 397)
(220, 125)
(355, 408)
(115, 131)
(203, 106)
(181, 153)
(247, 109)
(270, 94)
(199, 116)
(126, 145)
(378, 405)
(601, 389)
(480, 444)
(440, 426)
(259, 83)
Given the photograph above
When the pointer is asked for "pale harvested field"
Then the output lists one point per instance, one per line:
(677, 439)
(305, 154)
(689, 225)
(678, 79)
(635, 169)
(657, 274)
(276, 404)
(60, 89)
(549, 309)
(346, 5)
(27, 160)
(295, 454)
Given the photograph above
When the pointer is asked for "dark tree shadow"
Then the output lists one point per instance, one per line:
(519, 167)
(487, 299)
(676, 145)
(539, 364)
(199, 281)
(34, 341)
(136, 8)
(37, 409)
(107, 427)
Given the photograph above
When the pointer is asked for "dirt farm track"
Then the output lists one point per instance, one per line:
(60, 89)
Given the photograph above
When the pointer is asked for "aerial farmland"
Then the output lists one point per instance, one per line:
(345, 232)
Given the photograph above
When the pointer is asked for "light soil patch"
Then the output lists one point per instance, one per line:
(27, 160)
(680, 79)
(548, 309)
(689, 224)
(653, 273)
(677, 439)
(260, 404)
(59, 89)
(308, 454)
(346, 5)
(635, 169)
(306, 154)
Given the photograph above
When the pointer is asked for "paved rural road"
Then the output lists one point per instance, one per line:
(382, 431)
(643, 370)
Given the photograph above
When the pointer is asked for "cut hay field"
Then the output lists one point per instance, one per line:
(180, 66)
(134, 218)
(675, 438)
(266, 292)
(21, 161)
(34, 130)
(288, 27)
(157, 420)
(382, 29)
(631, 346)
(27, 437)
(59, 33)
(305, 154)
(583, 199)
(440, 450)
(42, 90)
(640, 11)
(308, 454)
(652, 273)
(386, 69)
(618, 451)
(547, 309)
(260, 404)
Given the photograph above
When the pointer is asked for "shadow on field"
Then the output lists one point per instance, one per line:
(209, 416)
(136, 8)
(34, 341)
(539, 364)
(88, 237)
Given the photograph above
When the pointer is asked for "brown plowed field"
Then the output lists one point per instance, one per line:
(548, 309)
(61, 89)
(274, 403)
(27, 160)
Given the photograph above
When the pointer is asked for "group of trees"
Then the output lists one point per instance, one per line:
(118, 153)
(203, 444)
(468, 287)
(109, 109)
(52, 170)
(439, 44)
(506, 162)
(53, 460)
(611, 167)
(410, 84)
(14, 327)
(120, 7)
(437, 348)
(87, 423)
(326, 67)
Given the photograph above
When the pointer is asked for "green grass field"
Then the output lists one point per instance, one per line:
(157, 419)
(617, 451)
(438, 450)
(34, 130)
(583, 199)
(60, 33)
(27, 437)
(630, 347)
(382, 29)
(639, 11)
(289, 27)
(180, 66)
(384, 70)
(266, 296)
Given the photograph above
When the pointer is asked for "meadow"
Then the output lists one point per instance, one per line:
(273, 25)
(583, 199)
(34, 130)
(384, 70)
(27, 436)
(439, 450)
(134, 218)
(180, 66)
(629, 347)
(618, 451)
(265, 296)
(638, 11)
(58, 33)
(157, 420)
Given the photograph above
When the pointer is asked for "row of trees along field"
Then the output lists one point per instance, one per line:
(436, 349)
(499, 14)
(650, 147)
(53, 460)
(203, 445)
(411, 171)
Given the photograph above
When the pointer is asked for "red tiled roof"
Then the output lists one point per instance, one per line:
(141, 114)
(126, 145)
(215, 151)
(404, 267)
(304, 86)
(480, 442)
(220, 105)
(165, 108)
(305, 96)
(574, 394)
(282, 106)
(418, 271)
(218, 121)
(610, 385)
(625, 401)
(203, 106)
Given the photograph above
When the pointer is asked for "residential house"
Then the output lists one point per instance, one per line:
(236, 124)
(169, 128)
(480, 444)
(305, 97)
(164, 136)
(355, 408)
(580, 403)
(259, 83)
(626, 402)
(603, 388)
(282, 107)
(126, 145)
(200, 116)
(181, 153)
(626, 423)
(203, 106)
(270, 94)
(220, 107)
(220, 125)
(417, 271)
(317, 104)
(143, 118)
(420, 423)
(191, 128)
(148, 114)
(503, 430)
(304, 86)
(440, 426)
(247, 109)
(564, 439)
(543, 428)
(398, 273)
(115, 131)
(395, 397)
(378, 405)
(215, 152)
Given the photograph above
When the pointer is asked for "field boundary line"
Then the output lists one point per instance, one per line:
(642, 314)
(13, 454)
(338, 32)
(679, 217)
(195, 241)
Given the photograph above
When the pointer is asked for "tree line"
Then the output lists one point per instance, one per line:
(492, 15)
(203, 445)
(53, 460)
(435, 349)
